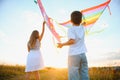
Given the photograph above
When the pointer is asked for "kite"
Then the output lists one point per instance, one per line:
(90, 16)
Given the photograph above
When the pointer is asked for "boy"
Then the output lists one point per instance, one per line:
(77, 61)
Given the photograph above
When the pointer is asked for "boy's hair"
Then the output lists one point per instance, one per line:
(76, 17)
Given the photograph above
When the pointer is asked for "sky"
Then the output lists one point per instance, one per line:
(18, 18)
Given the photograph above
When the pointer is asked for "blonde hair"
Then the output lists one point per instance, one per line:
(32, 40)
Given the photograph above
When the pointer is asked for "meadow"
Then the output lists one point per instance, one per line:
(9, 72)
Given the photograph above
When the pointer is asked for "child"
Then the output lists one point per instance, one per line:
(34, 58)
(77, 61)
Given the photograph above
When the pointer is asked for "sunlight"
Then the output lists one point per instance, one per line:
(18, 21)
(53, 56)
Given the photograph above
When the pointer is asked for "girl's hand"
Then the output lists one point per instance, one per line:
(44, 22)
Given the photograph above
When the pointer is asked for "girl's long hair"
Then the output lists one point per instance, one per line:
(32, 40)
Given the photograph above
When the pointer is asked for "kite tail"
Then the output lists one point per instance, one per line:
(109, 9)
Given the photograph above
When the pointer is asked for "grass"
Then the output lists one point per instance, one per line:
(8, 72)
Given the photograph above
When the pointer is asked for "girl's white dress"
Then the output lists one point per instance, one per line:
(34, 59)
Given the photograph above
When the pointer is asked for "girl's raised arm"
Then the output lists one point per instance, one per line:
(43, 29)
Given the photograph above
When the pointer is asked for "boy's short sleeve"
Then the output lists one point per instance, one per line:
(71, 34)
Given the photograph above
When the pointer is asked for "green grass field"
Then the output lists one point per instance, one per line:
(8, 72)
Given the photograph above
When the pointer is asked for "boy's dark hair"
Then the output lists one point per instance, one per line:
(76, 17)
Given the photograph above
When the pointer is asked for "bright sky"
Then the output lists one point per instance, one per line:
(18, 18)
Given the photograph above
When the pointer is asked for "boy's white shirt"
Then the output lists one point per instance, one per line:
(77, 33)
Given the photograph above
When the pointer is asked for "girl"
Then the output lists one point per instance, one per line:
(34, 58)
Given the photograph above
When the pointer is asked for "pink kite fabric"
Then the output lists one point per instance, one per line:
(48, 21)
(90, 16)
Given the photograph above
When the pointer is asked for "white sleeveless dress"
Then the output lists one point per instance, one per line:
(34, 59)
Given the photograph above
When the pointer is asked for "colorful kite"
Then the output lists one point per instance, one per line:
(90, 16)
